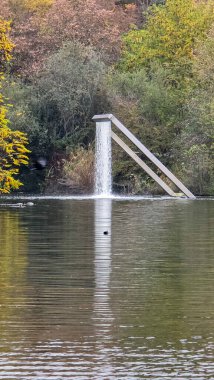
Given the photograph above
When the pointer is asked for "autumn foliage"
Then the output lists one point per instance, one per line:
(170, 34)
(40, 27)
(13, 153)
(12, 143)
(6, 45)
(148, 61)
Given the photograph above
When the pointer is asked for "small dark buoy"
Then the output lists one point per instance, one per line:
(105, 233)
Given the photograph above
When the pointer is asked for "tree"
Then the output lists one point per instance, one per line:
(68, 92)
(38, 6)
(195, 147)
(97, 23)
(56, 110)
(24, 113)
(12, 143)
(39, 32)
(153, 109)
(166, 75)
(12, 154)
(170, 35)
(6, 45)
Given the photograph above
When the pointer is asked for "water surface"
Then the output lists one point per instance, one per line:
(134, 303)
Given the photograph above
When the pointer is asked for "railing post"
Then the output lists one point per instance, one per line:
(103, 176)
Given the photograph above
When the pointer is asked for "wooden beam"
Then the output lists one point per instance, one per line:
(151, 156)
(142, 164)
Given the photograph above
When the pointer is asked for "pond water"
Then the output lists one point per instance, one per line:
(134, 303)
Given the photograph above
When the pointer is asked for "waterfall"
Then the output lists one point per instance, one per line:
(103, 158)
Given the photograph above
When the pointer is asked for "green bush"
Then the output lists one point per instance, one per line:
(23, 113)
(68, 91)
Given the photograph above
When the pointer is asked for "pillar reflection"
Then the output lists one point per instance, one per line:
(103, 317)
(103, 209)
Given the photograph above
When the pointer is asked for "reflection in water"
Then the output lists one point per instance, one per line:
(61, 271)
(13, 263)
(167, 266)
(102, 311)
(103, 209)
(136, 303)
(163, 301)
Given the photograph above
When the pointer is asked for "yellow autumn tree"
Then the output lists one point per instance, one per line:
(37, 6)
(170, 34)
(13, 150)
(6, 45)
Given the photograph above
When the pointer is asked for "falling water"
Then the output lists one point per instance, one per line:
(103, 158)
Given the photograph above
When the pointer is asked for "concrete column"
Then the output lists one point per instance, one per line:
(103, 173)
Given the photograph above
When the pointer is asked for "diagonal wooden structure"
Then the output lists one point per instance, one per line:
(106, 120)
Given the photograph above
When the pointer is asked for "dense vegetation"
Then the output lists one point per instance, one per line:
(12, 143)
(151, 63)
